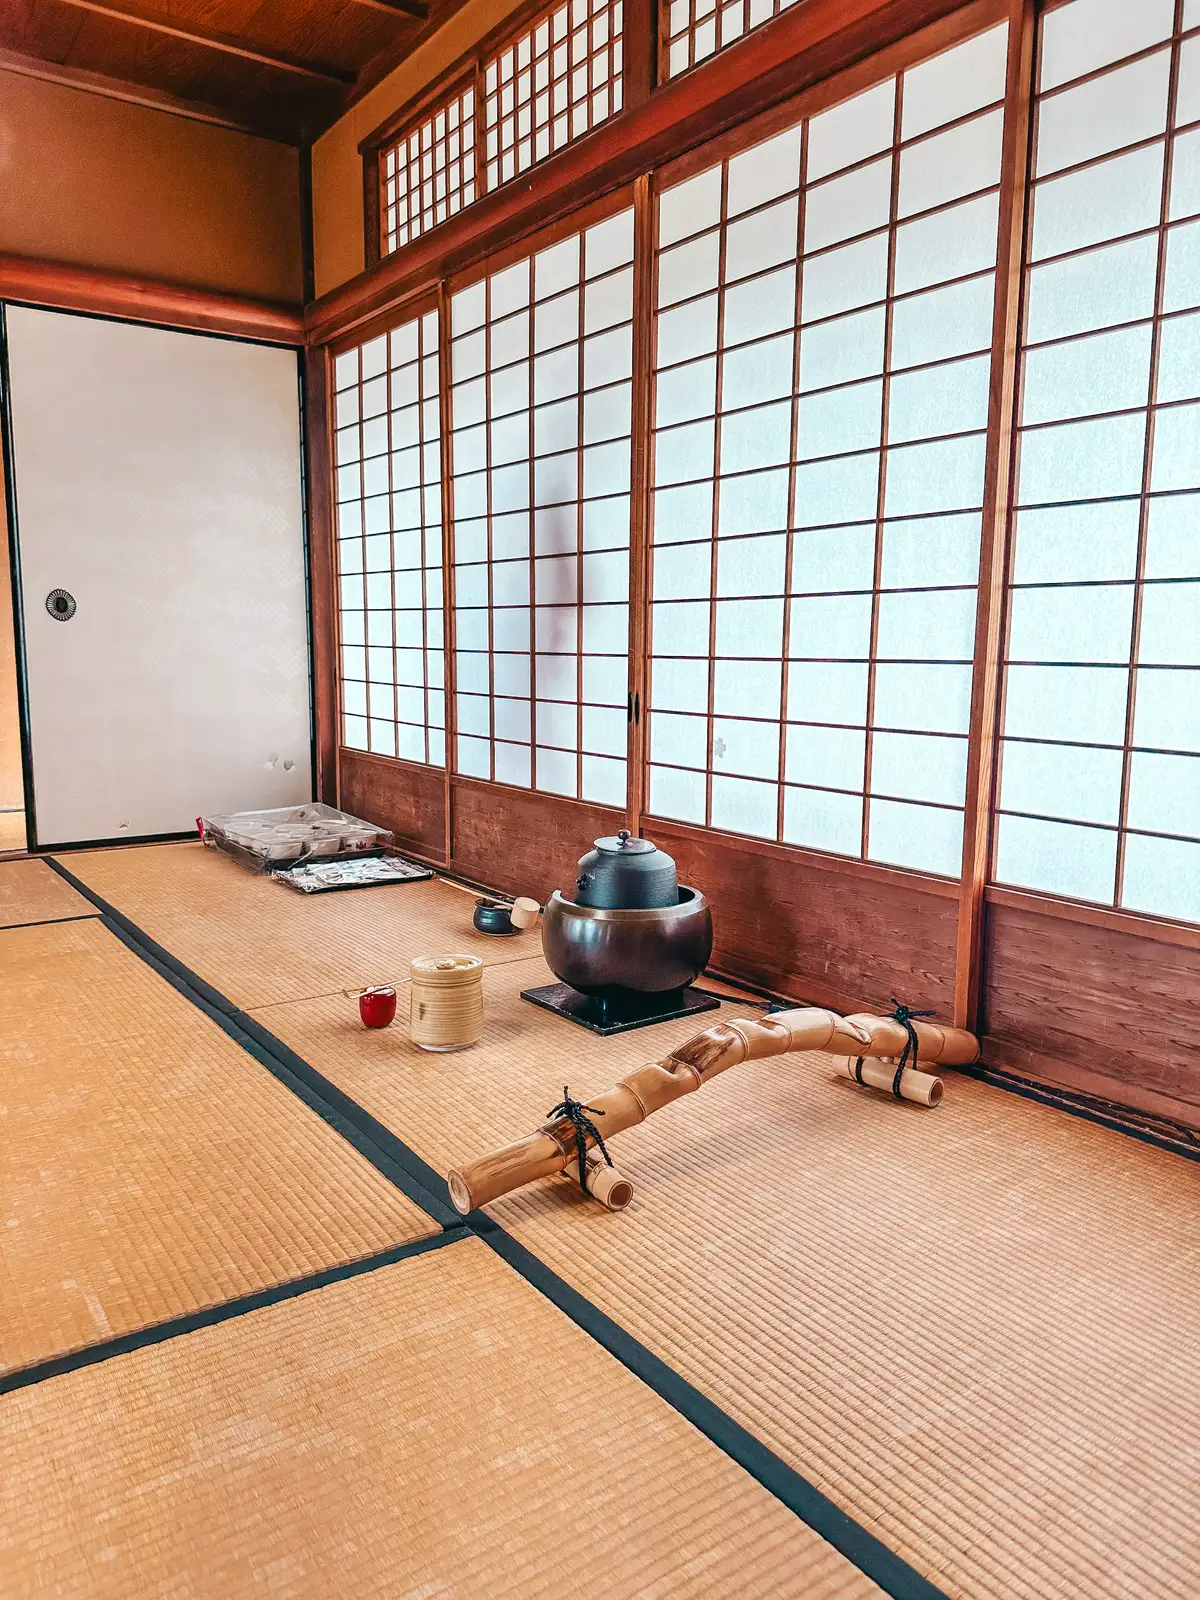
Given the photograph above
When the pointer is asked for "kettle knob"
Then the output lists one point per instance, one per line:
(624, 836)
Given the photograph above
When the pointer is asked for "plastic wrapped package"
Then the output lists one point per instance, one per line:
(268, 841)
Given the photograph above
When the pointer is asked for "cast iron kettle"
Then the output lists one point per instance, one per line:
(626, 874)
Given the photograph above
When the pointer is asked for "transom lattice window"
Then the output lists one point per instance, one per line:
(1100, 779)
(428, 174)
(541, 413)
(697, 29)
(824, 326)
(389, 524)
(559, 78)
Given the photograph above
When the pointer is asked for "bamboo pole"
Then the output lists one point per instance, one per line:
(922, 1088)
(604, 1183)
(552, 1147)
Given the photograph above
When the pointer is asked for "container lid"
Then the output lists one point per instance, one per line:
(626, 845)
(451, 969)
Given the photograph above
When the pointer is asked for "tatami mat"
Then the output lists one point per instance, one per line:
(148, 1165)
(31, 892)
(259, 942)
(974, 1328)
(12, 830)
(435, 1428)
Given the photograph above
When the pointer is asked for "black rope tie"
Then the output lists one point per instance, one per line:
(580, 1118)
(908, 1056)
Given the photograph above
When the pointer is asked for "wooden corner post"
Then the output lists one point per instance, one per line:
(997, 508)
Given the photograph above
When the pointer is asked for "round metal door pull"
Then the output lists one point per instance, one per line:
(60, 605)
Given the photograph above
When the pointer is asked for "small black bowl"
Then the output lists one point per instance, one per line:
(492, 917)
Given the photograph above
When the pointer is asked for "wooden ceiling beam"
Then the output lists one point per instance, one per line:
(137, 94)
(398, 8)
(103, 293)
(212, 39)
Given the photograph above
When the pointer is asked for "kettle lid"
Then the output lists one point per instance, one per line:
(624, 844)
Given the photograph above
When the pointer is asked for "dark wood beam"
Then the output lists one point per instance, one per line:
(63, 287)
(398, 8)
(211, 39)
(322, 567)
(999, 486)
(136, 94)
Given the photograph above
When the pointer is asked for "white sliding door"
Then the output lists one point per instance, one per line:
(157, 482)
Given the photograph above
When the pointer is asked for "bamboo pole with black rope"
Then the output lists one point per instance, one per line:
(554, 1145)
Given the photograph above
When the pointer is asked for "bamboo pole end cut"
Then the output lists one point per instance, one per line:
(460, 1194)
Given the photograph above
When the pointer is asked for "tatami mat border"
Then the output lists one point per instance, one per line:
(869, 1554)
(421, 1183)
(1182, 1143)
(49, 922)
(159, 1332)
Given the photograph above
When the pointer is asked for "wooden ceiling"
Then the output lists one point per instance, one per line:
(285, 68)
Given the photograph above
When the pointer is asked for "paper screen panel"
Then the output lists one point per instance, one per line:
(541, 412)
(697, 29)
(1100, 768)
(824, 330)
(427, 174)
(560, 77)
(389, 520)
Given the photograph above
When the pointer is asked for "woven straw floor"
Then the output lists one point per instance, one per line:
(260, 942)
(31, 892)
(974, 1328)
(388, 1436)
(148, 1165)
(12, 830)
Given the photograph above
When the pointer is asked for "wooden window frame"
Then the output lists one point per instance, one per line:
(639, 48)
(493, 82)
(375, 168)
(687, 35)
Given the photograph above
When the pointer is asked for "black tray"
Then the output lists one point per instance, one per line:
(623, 1012)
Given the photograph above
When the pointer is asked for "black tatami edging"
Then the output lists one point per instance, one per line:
(423, 1184)
(1073, 1105)
(50, 922)
(223, 1311)
(893, 1574)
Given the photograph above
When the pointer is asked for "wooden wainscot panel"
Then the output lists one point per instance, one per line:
(521, 842)
(401, 795)
(1102, 1010)
(842, 934)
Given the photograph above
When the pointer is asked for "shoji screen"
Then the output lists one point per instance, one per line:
(696, 29)
(389, 523)
(1100, 782)
(559, 78)
(541, 407)
(824, 327)
(428, 173)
